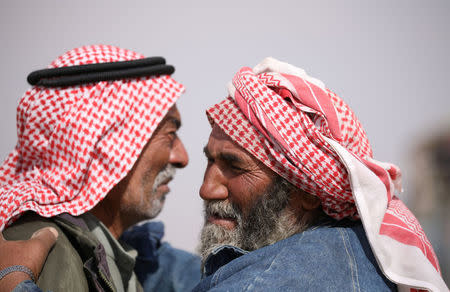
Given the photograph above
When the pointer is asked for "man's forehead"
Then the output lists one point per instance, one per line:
(219, 134)
(220, 145)
(220, 141)
(173, 115)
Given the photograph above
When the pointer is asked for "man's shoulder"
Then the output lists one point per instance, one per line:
(309, 251)
(328, 257)
(63, 269)
(26, 225)
(319, 244)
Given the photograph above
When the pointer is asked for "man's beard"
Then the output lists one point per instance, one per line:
(268, 221)
(156, 204)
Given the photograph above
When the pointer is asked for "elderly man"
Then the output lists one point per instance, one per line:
(294, 200)
(97, 147)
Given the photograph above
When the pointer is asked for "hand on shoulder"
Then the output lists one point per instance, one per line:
(30, 253)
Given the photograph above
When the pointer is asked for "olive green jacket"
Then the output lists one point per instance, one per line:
(77, 262)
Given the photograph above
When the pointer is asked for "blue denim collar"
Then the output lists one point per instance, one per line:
(333, 255)
(221, 256)
(226, 253)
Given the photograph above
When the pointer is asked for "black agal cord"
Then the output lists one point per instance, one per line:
(75, 75)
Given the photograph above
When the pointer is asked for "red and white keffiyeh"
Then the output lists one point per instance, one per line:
(308, 135)
(75, 143)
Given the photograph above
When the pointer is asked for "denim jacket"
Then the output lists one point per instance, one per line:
(335, 256)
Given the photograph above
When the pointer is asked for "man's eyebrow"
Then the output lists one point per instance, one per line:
(175, 121)
(230, 158)
(227, 157)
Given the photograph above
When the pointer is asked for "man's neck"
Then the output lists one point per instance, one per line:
(110, 217)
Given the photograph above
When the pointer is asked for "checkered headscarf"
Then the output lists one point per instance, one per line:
(75, 143)
(288, 136)
(308, 135)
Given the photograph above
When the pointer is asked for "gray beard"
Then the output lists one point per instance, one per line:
(268, 221)
(158, 203)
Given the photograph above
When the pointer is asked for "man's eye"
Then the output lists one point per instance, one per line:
(171, 138)
(236, 168)
(172, 135)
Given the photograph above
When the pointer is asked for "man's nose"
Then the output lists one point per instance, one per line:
(214, 184)
(178, 155)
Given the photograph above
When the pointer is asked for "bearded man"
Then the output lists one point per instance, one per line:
(294, 200)
(97, 147)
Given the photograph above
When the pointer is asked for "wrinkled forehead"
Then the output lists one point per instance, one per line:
(218, 134)
(224, 147)
(221, 142)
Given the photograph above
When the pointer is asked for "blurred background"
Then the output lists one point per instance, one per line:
(388, 59)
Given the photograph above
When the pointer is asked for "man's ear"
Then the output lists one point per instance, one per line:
(302, 201)
(310, 202)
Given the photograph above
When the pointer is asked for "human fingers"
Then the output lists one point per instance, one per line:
(46, 237)
(39, 247)
(21, 254)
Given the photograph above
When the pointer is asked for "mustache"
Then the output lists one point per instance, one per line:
(221, 209)
(166, 174)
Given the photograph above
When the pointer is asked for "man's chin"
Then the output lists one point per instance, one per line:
(213, 236)
(155, 208)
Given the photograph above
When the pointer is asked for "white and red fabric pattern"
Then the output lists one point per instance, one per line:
(308, 135)
(75, 143)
